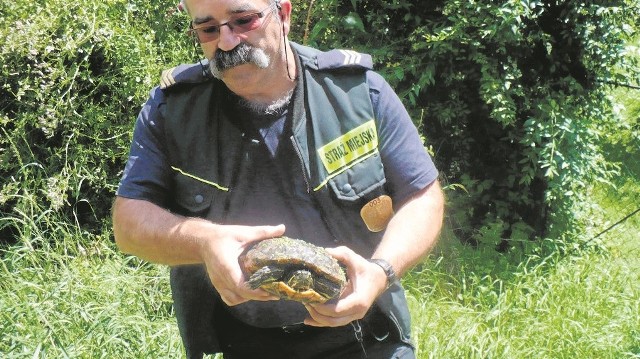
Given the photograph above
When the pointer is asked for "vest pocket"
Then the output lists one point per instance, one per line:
(193, 197)
(343, 198)
(363, 180)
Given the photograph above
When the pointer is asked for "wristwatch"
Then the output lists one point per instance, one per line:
(388, 270)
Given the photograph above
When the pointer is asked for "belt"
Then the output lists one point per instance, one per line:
(298, 328)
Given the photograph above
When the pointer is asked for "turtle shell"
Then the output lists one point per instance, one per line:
(293, 269)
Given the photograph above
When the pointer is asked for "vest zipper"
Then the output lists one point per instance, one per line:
(302, 167)
(312, 195)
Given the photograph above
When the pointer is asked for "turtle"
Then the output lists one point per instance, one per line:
(293, 269)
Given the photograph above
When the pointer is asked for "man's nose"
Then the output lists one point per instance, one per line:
(228, 39)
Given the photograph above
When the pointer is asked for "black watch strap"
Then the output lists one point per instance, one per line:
(388, 270)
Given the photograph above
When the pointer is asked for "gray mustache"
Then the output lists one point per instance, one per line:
(241, 54)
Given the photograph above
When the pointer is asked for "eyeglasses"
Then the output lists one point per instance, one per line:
(245, 23)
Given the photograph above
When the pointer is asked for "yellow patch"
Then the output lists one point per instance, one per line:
(350, 147)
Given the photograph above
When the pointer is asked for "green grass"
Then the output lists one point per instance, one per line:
(579, 307)
(90, 304)
(80, 298)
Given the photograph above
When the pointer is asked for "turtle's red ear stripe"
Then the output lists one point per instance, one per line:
(180, 6)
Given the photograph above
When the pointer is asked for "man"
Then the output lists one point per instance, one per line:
(285, 140)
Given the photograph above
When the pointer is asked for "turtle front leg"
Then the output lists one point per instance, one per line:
(264, 275)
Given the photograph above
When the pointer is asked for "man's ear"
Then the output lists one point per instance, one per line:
(284, 11)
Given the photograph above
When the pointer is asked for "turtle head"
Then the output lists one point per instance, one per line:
(300, 280)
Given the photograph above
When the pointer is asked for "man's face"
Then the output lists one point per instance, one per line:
(248, 40)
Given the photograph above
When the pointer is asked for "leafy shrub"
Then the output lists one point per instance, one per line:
(511, 96)
(515, 98)
(74, 75)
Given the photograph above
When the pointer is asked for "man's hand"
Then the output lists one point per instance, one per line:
(366, 282)
(408, 238)
(220, 256)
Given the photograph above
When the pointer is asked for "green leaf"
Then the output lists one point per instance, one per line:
(353, 21)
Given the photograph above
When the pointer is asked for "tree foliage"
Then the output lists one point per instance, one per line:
(74, 76)
(511, 96)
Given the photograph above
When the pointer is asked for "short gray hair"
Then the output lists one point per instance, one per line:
(183, 4)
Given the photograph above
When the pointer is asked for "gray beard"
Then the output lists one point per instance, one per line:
(272, 108)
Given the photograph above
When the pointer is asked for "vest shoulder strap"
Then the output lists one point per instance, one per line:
(188, 73)
(334, 59)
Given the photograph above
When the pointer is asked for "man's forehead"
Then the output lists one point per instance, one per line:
(217, 10)
(230, 6)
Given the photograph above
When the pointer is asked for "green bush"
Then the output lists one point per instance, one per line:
(511, 95)
(74, 76)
